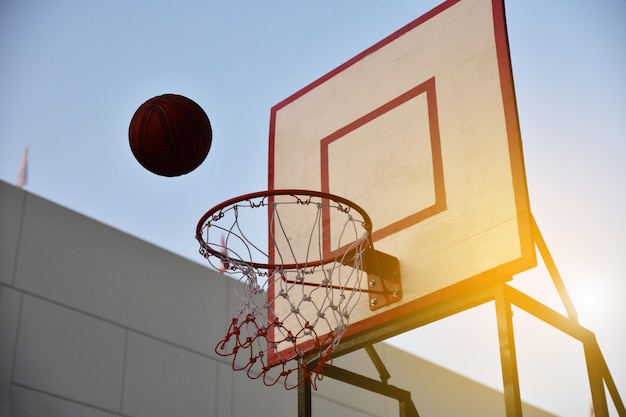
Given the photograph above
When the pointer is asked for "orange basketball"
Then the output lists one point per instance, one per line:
(170, 135)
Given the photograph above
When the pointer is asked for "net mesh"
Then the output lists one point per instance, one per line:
(298, 292)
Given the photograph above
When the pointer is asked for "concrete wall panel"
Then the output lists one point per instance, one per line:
(9, 316)
(89, 266)
(29, 403)
(10, 223)
(69, 354)
(163, 380)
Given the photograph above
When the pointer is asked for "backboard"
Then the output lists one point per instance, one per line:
(421, 131)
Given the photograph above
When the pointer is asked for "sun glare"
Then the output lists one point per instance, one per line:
(592, 301)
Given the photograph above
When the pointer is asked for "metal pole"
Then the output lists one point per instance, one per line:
(508, 359)
(596, 381)
(304, 394)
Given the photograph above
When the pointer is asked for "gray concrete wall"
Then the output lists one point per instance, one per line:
(96, 323)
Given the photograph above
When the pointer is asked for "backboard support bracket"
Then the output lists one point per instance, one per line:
(384, 284)
(383, 278)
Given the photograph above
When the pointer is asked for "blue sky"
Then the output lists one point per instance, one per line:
(72, 74)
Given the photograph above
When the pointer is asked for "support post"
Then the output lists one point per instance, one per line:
(510, 379)
(304, 394)
(596, 381)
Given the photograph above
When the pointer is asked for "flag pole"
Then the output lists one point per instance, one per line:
(22, 175)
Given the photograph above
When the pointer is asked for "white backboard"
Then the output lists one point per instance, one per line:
(421, 130)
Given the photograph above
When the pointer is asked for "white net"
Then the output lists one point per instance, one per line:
(299, 290)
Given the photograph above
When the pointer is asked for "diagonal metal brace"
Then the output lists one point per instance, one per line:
(378, 363)
(407, 408)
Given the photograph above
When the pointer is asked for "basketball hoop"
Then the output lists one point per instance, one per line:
(297, 294)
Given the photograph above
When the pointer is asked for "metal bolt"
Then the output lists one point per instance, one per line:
(372, 283)
(373, 302)
(396, 293)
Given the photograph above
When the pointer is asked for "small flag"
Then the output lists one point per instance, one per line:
(22, 176)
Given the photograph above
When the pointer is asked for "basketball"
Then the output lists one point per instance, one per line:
(170, 135)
